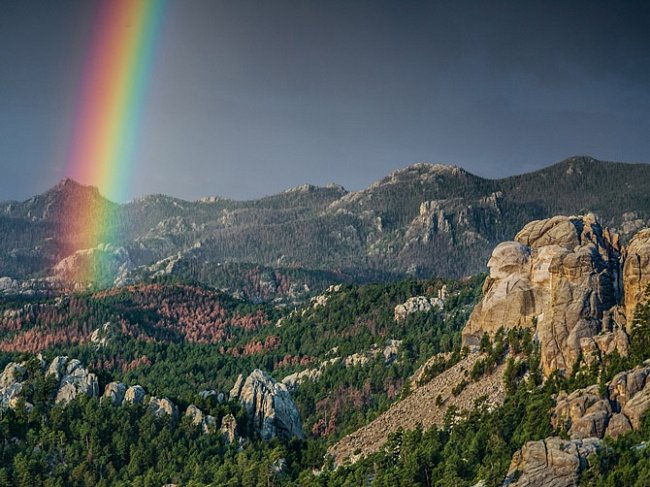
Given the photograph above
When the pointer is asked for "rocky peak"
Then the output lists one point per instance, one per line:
(422, 171)
(269, 406)
(560, 277)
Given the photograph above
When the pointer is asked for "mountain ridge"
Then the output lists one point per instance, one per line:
(423, 220)
(442, 167)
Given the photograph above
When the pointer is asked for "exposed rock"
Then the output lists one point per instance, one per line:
(552, 462)
(626, 384)
(162, 407)
(8, 284)
(75, 380)
(584, 411)
(10, 385)
(279, 466)
(108, 265)
(135, 394)
(229, 428)
(236, 389)
(206, 422)
(618, 425)
(322, 299)
(637, 406)
(356, 359)
(416, 304)
(636, 272)
(561, 278)
(100, 336)
(12, 373)
(391, 350)
(293, 380)
(210, 393)
(269, 406)
(57, 367)
(115, 392)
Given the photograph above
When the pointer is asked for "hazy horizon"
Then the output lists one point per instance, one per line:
(338, 183)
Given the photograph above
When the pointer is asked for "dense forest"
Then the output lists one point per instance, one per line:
(90, 442)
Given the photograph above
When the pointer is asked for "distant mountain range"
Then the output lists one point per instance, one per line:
(425, 220)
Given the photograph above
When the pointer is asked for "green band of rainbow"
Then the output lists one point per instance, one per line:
(116, 76)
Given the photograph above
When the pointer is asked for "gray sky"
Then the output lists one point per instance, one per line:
(250, 97)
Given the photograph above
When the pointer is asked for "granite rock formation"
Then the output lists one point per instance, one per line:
(586, 413)
(269, 406)
(561, 278)
(552, 462)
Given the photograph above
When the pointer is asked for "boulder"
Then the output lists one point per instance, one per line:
(114, 392)
(269, 406)
(135, 394)
(560, 279)
(618, 425)
(552, 462)
(636, 407)
(636, 272)
(163, 407)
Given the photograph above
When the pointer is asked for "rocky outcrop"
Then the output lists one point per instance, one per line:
(552, 462)
(10, 385)
(269, 406)
(585, 413)
(560, 277)
(292, 381)
(636, 272)
(206, 393)
(74, 379)
(135, 395)
(163, 407)
(205, 422)
(416, 304)
(105, 264)
(114, 392)
(57, 367)
(101, 336)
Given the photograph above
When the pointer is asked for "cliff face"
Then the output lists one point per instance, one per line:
(636, 272)
(269, 406)
(569, 280)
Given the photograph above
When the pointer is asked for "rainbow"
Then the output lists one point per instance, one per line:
(109, 109)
